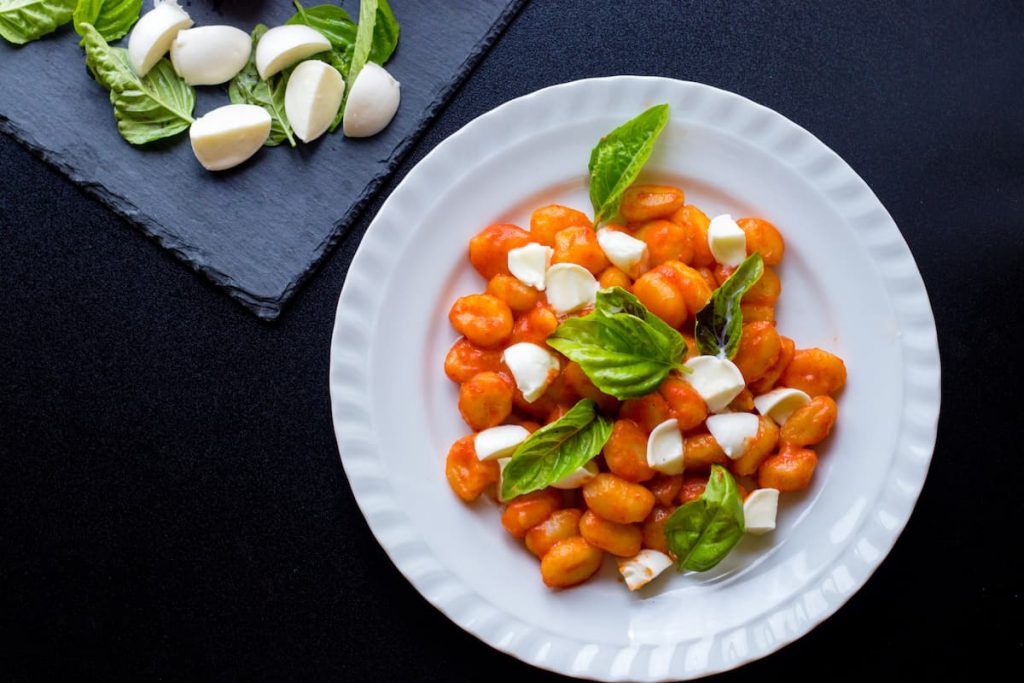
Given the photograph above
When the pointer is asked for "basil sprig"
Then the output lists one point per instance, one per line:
(112, 18)
(720, 322)
(248, 88)
(617, 159)
(555, 450)
(623, 348)
(22, 22)
(701, 533)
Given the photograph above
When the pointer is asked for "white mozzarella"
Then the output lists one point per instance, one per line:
(229, 135)
(372, 102)
(282, 46)
(759, 511)
(733, 432)
(578, 477)
(533, 368)
(153, 34)
(570, 287)
(624, 251)
(779, 404)
(313, 98)
(640, 570)
(727, 241)
(665, 448)
(717, 380)
(529, 264)
(210, 55)
(499, 442)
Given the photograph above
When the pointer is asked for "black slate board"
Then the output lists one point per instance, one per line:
(259, 230)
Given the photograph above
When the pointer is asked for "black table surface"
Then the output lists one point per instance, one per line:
(172, 505)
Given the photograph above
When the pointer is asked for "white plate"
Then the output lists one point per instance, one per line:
(849, 285)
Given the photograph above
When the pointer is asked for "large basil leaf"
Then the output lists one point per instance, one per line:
(248, 88)
(22, 21)
(555, 450)
(364, 41)
(623, 348)
(720, 322)
(385, 34)
(702, 532)
(112, 18)
(617, 159)
(330, 20)
(155, 106)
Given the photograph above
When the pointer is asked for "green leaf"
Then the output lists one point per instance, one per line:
(623, 348)
(22, 21)
(156, 106)
(112, 18)
(340, 61)
(364, 41)
(701, 533)
(555, 450)
(248, 88)
(720, 322)
(330, 20)
(385, 34)
(617, 159)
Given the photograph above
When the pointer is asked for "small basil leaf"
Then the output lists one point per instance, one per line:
(617, 159)
(720, 322)
(112, 18)
(555, 450)
(330, 20)
(248, 88)
(155, 106)
(385, 34)
(22, 22)
(701, 533)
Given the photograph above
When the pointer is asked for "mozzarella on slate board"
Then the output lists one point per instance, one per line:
(153, 35)
(372, 102)
(282, 46)
(313, 98)
(229, 135)
(210, 55)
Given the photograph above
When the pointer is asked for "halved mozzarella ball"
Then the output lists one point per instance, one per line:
(372, 102)
(532, 367)
(313, 98)
(529, 264)
(759, 511)
(570, 287)
(282, 46)
(154, 33)
(229, 135)
(210, 55)
(733, 432)
(717, 380)
(578, 477)
(665, 448)
(499, 442)
(625, 252)
(640, 570)
(727, 241)
(779, 404)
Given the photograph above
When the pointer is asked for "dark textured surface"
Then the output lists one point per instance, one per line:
(258, 230)
(171, 502)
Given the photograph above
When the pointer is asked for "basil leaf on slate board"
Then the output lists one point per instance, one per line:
(248, 88)
(113, 19)
(22, 22)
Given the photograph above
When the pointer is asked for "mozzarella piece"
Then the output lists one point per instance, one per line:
(759, 511)
(154, 33)
(640, 570)
(717, 380)
(578, 477)
(665, 448)
(210, 55)
(570, 287)
(625, 252)
(727, 241)
(313, 98)
(533, 368)
(229, 135)
(733, 432)
(372, 102)
(529, 264)
(499, 442)
(779, 404)
(282, 46)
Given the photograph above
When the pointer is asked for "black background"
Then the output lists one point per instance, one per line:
(171, 501)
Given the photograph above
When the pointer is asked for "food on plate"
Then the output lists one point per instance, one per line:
(626, 388)
(372, 102)
(210, 55)
(153, 34)
(229, 135)
(313, 98)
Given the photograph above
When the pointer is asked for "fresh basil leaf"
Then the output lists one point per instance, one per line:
(702, 532)
(385, 34)
(364, 41)
(617, 159)
(556, 450)
(155, 106)
(720, 322)
(112, 18)
(330, 20)
(248, 88)
(623, 348)
(340, 61)
(22, 21)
